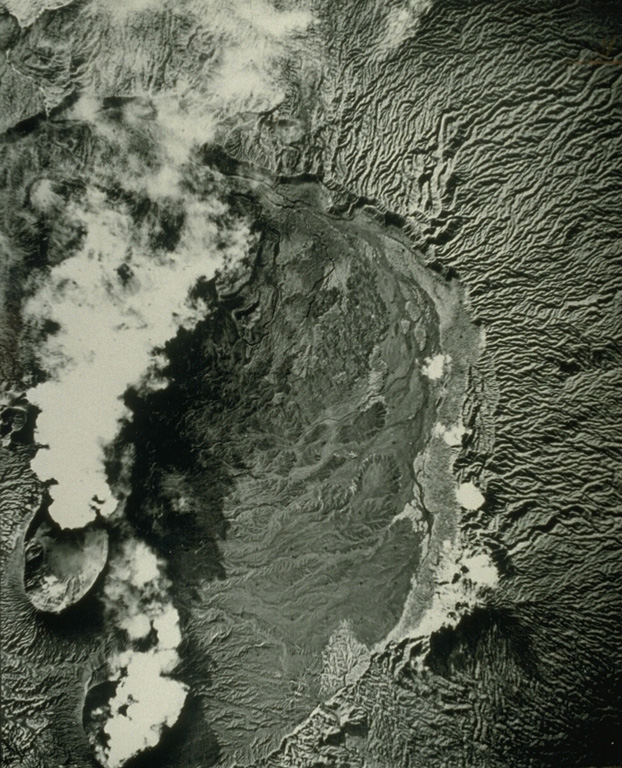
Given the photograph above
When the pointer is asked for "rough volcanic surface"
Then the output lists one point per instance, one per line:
(311, 353)
(301, 419)
(60, 567)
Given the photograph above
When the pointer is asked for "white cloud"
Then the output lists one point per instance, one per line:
(145, 565)
(482, 572)
(145, 701)
(248, 41)
(469, 496)
(452, 435)
(43, 197)
(267, 19)
(402, 22)
(136, 596)
(434, 367)
(259, 15)
(108, 328)
(413, 513)
(122, 9)
(461, 577)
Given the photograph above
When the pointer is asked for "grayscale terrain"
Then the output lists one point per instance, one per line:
(311, 364)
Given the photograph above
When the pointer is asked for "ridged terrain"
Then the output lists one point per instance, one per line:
(485, 136)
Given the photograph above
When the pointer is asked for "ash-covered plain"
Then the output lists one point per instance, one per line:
(310, 343)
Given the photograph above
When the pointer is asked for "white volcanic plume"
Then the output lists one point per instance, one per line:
(117, 299)
(120, 297)
(113, 303)
(146, 698)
